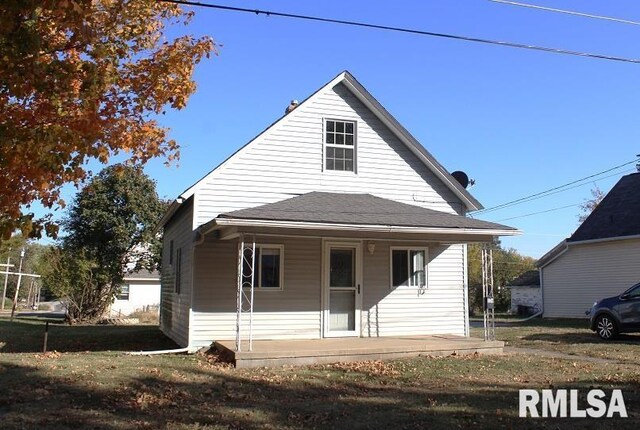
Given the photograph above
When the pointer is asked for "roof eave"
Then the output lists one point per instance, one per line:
(173, 208)
(241, 222)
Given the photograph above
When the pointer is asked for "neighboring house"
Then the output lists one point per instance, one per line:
(525, 292)
(359, 231)
(140, 291)
(601, 259)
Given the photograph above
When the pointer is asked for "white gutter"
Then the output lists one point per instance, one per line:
(223, 222)
(142, 279)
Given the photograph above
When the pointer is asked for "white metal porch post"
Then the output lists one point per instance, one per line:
(246, 280)
(487, 293)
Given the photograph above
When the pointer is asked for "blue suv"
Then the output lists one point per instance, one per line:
(619, 314)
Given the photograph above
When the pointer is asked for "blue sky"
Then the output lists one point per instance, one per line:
(517, 121)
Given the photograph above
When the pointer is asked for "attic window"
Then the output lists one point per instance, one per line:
(340, 145)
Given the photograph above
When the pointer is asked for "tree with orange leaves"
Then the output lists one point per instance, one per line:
(82, 80)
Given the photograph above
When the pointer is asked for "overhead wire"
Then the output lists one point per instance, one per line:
(404, 30)
(553, 190)
(539, 212)
(567, 12)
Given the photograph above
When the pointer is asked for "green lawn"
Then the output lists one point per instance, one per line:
(95, 385)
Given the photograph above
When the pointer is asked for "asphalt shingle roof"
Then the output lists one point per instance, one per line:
(527, 279)
(617, 215)
(363, 209)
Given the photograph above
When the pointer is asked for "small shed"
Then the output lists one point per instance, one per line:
(526, 294)
(140, 291)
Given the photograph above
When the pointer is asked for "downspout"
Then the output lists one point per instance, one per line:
(541, 292)
(158, 352)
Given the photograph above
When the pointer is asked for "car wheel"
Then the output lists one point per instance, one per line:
(606, 327)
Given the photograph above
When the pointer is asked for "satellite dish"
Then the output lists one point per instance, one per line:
(461, 177)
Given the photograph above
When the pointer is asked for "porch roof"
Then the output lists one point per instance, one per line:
(361, 211)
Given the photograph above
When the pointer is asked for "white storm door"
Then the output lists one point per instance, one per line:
(342, 265)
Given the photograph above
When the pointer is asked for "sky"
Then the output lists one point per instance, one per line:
(516, 121)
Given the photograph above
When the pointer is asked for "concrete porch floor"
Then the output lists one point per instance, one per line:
(315, 351)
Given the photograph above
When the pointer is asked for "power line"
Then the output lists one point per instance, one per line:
(568, 12)
(405, 30)
(563, 190)
(550, 190)
(538, 213)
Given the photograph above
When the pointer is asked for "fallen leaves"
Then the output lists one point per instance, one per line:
(369, 368)
(48, 355)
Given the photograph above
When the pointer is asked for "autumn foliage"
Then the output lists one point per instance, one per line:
(83, 80)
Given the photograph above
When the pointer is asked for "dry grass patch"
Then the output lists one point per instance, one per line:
(568, 336)
(111, 390)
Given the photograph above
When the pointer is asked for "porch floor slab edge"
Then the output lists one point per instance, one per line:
(316, 351)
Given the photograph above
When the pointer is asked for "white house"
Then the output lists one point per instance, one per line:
(140, 291)
(601, 259)
(526, 293)
(358, 231)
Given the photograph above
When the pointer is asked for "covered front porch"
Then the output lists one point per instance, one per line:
(331, 350)
(331, 277)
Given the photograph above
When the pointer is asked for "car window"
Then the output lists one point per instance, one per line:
(635, 292)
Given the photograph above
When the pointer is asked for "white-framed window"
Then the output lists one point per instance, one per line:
(123, 293)
(269, 268)
(408, 266)
(339, 145)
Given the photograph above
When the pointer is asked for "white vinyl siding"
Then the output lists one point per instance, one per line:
(436, 309)
(290, 313)
(295, 313)
(174, 315)
(260, 174)
(589, 272)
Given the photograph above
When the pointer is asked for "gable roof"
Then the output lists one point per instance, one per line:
(350, 82)
(527, 279)
(359, 209)
(617, 215)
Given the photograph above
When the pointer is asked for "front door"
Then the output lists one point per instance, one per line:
(342, 285)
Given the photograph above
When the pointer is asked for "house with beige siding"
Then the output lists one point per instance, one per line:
(601, 259)
(332, 222)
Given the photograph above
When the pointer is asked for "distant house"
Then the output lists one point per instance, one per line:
(525, 292)
(601, 259)
(140, 291)
(358, 232)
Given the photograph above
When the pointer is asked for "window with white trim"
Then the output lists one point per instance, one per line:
(339, 145)
(409, 267)
(269, 267)
(123, 293)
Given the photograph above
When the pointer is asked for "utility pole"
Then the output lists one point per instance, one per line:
(6, 279)
(15, 299)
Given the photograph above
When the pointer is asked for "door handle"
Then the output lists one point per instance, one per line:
(358, 288)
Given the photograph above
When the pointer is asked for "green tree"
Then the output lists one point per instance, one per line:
(84, 80)
(109, 231)
(508, 264)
